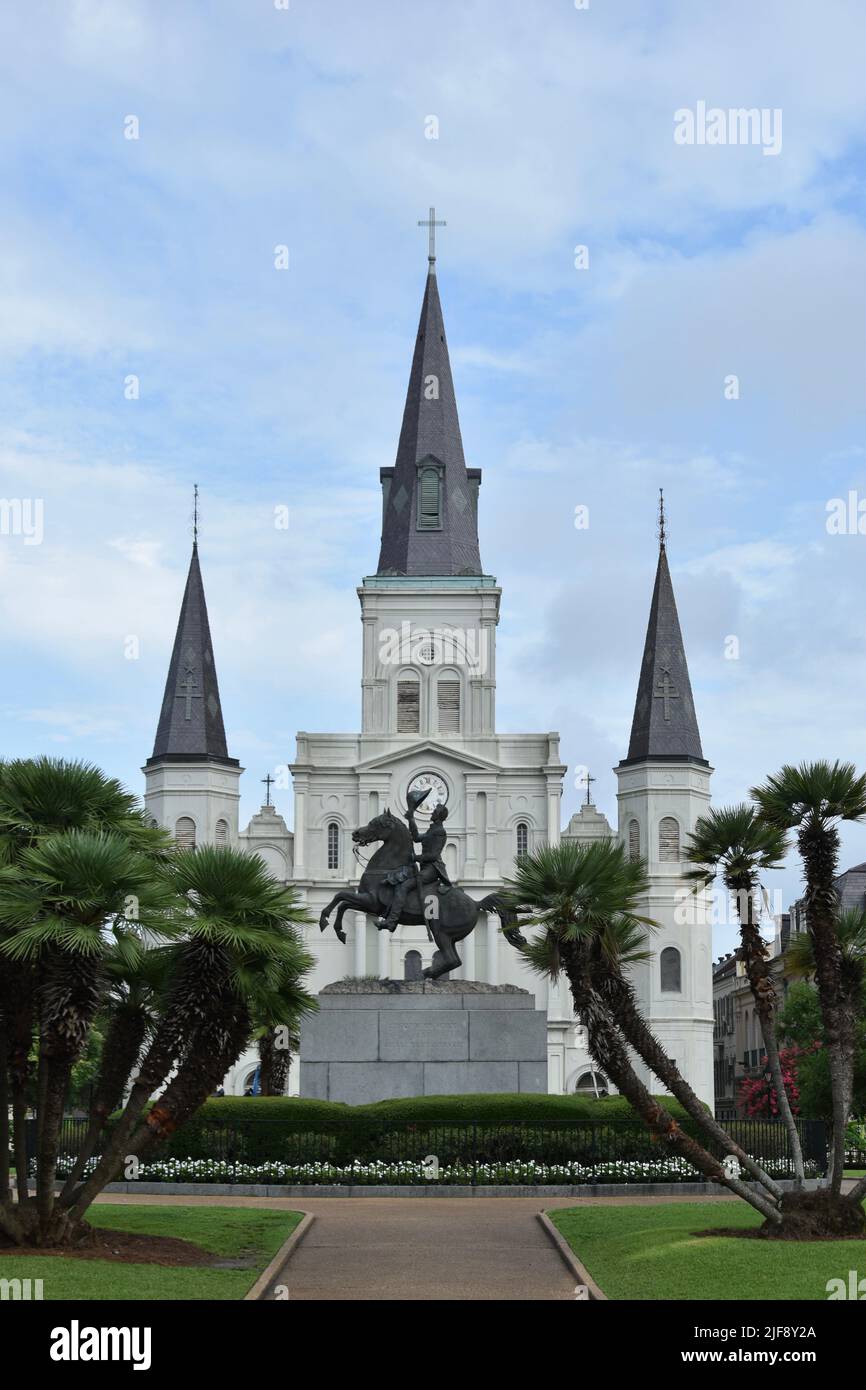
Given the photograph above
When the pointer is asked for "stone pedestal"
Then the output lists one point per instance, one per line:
(379, 1039)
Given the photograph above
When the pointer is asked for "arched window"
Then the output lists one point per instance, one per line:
(669, 840)
(592, 1083)
(448, 703)
(408, 705)
(412, 966)
(633, 840)
(522, 839)
(333, 845)
(429, 500)
(671, 971)
(184, 833)
(221, 833)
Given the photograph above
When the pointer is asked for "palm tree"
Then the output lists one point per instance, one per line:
(64, 900)
(812, 799)
(39, 797)
(736, 845)
(241, 953)
(584, 898)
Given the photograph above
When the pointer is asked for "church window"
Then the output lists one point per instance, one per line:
(669, 840)
(671, 970)
(633, 840)
(221, 835)
(522, 840)
(184, 833)
(408, 706)
(429, 500)
(448, 695)
(333, 845)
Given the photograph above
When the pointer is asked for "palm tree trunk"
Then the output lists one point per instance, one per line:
(819, 849)
(123, 1042)
(637, 1032)
(273, 1066)
(53, 1094)
(764, 994)
(213, 1048)
(5, 1136)
(609, 1051)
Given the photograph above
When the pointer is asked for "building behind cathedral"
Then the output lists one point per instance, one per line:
(429, 616)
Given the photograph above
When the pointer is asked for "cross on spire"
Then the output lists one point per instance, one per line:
(195, 514)
(268, 781)
(666, 692)
(431, 224)
(589, 781)
(187, 691)
(661, 519)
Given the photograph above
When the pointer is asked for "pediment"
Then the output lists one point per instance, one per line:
(435, 749)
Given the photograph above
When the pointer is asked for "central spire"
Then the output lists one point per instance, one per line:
(429, 497)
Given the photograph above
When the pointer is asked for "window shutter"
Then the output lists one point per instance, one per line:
(184, 833)
(408, 707)
(428, 503)
(448, 693)
(633, 840)
(669, 840)
(221, 836)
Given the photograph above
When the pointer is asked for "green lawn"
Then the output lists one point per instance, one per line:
(651, 1252)
(855, 1172)
(229, 1231)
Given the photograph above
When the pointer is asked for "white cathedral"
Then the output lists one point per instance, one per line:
(428, 718)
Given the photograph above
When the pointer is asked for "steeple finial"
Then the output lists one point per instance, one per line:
(661, 519)
(431, 224)
(195, 515)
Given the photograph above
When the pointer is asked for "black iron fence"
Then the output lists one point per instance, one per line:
(263, 1151)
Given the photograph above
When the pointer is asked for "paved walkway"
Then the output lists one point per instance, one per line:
(415, 1248)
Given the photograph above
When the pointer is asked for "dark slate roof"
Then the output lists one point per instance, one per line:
(430, 429)
(191, 721)
(662, 727)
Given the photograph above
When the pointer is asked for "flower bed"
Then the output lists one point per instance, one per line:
(379, 1172)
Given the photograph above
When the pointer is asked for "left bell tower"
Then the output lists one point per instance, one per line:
(191, 784)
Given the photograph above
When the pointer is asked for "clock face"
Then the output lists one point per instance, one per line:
(436, 796)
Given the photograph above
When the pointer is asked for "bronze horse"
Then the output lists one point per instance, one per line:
(448, 918)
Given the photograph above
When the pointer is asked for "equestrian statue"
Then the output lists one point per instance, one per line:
(400, 886)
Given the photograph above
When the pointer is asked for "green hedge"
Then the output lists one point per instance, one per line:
(325, 1116)
(261, 1129)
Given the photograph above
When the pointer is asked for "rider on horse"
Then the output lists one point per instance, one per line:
(426, 867)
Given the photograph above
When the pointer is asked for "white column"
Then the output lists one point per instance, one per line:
(384, 966)
(300, 836)
(492, 949)
(467, 948)
(360, 943)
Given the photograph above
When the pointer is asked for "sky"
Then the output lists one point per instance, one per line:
(148, 342)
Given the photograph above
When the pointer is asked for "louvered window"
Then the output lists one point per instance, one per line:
(221, 835)
(633, 840)
(522, 840)
(448, 694)
(333, 845)
(184, 833)
(408, 707)
(669, 840)
(429, 506)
